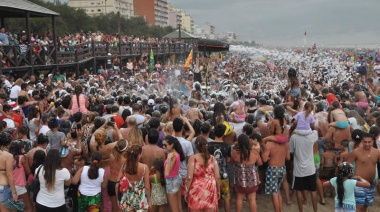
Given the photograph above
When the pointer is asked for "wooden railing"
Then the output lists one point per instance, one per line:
(19, 57)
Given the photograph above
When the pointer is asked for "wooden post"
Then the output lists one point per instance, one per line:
(55, 54)
(28, 29)
(93, 57)
(2, 20)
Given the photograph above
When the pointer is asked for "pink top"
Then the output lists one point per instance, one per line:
(175, 170)
(82, 103)
(19, 173)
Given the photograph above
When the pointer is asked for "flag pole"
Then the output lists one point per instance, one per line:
(304, 43)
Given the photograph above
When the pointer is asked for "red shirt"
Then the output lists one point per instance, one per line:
(119, 121)
(17, 119)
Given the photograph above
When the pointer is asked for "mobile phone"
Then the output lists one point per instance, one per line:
(79, 126)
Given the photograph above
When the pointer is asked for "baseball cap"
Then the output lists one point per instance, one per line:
(151, 102)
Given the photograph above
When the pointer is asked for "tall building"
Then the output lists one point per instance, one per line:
(155, 12)
(174, 18)
(187, 21)
(205, 31)
(97, 7)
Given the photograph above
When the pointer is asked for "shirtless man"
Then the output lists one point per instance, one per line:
(193, 113)
(151, 151)
(174, 111)
(131, 123)
(365, 158)
(360, 97)
(275, 154)
(42, 142)
(337, 135)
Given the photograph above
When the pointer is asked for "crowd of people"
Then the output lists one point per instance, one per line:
(68, 42)
(231, 126)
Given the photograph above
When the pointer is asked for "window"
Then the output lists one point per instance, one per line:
(99, 10)
(92, 3)
(92, 11)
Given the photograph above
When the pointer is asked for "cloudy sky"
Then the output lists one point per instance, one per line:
(283, 22)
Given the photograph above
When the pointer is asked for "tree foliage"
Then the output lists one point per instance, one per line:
(73, 20)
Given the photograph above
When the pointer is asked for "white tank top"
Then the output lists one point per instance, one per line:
(90, 187)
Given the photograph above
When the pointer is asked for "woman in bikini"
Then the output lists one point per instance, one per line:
(337, 117)
(117, 159)
(7, 186)
(238, 109)
(100, 136)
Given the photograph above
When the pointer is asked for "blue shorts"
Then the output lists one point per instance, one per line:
(5, 194)
(274, 178)
(173, 184)
(364, 196)
(295, 92)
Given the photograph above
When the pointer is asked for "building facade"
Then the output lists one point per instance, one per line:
(155, 12)
(174, 18)
(97, 7)
(187, 22)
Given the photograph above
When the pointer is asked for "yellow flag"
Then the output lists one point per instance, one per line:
(189, 60)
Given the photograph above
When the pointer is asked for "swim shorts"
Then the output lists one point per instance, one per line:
(225, 189)
(274, 177)
(364, 196)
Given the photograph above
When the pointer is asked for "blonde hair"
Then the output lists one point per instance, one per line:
(168, 127)
(100, 137)
(19, 81)
(135, 137)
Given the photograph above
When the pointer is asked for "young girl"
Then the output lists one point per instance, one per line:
(20, 170)
(92, 180)
(172, 177)
(304, 120)
(327, 170)
(157, 179)
(246, 172)
(344, 185)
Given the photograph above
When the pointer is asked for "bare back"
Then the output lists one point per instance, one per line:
(150, 153)
(277, 153)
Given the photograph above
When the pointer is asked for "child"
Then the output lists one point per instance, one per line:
(327, 170)
(328, 162)
(157, 180)
(304, 121)
(343, 156)
(344, 185)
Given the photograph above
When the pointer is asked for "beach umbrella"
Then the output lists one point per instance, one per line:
(361, 52)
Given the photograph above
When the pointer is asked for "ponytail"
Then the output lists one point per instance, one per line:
(308, 108)
(344, 171)
(132, 159)
(78, 91)
(201, 145)
(93, 171)
(176, 145)
(340, 189)
(244, 147)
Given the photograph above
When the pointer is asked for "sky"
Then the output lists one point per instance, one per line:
(329, 23)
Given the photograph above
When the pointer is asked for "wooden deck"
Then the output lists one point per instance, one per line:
(34, 58)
